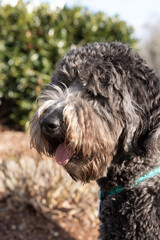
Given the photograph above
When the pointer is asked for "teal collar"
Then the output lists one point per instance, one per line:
(119, 189)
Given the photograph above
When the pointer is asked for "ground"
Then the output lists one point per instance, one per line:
(21, 220)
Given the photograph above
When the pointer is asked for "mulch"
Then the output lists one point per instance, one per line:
(21, 220)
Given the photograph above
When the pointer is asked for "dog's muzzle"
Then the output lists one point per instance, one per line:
(53, 130)
(51, 122)
(49, 125)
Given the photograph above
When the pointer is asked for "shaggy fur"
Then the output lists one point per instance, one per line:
(103, 104)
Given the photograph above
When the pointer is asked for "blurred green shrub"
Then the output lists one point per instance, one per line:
(32, 42)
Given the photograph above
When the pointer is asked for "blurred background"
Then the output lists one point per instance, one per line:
(37, 198)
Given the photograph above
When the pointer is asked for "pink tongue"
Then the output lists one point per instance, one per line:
(62, 155)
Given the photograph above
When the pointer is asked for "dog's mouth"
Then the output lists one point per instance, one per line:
(63, 154)
(58, 148)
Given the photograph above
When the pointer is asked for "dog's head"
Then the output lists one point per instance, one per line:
(92, 107)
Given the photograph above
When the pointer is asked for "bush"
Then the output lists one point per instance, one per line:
(32, 43)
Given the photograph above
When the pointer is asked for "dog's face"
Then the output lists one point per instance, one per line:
(84, 113)
(75, 127)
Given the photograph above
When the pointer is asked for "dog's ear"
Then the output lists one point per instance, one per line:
(132, 119)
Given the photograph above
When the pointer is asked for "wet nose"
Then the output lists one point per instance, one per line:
(49, 125)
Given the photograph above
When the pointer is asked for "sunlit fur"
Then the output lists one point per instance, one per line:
(49, 98)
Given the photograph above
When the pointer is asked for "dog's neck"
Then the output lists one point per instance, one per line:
(119, 189)
(126, 171)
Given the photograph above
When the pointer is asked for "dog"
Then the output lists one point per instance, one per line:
(100, 117)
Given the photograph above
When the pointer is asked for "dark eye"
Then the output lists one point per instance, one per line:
(90, 93)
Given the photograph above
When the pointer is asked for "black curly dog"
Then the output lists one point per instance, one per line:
(100, 117)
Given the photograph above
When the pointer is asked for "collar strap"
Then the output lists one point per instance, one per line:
(153, 173)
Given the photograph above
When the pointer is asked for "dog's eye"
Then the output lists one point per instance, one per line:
(90, 93)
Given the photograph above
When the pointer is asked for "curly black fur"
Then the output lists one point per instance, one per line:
(112, 88)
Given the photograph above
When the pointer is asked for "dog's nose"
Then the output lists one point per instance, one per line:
(49, 125)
